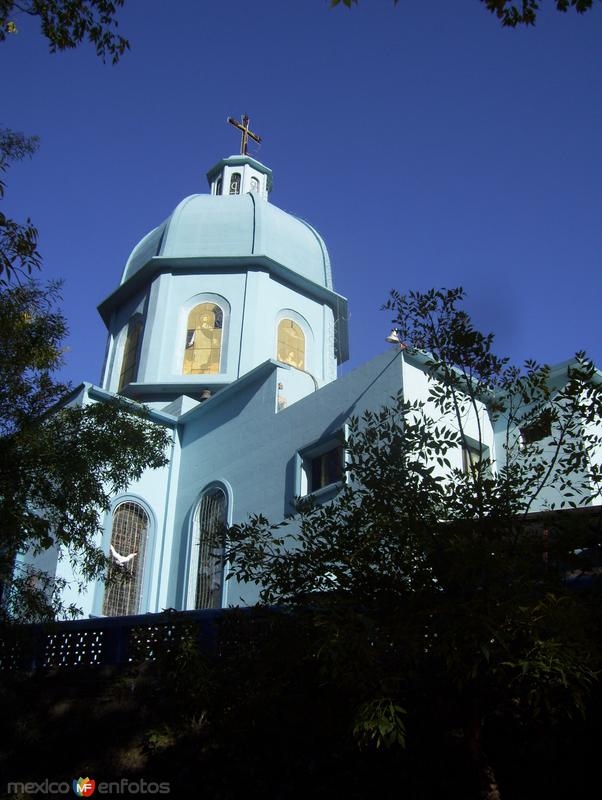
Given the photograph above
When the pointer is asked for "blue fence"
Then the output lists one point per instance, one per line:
(104, 640)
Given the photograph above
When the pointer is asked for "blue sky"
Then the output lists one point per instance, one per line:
(429, 146)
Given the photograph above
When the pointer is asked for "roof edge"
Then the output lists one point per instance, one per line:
(257, 373)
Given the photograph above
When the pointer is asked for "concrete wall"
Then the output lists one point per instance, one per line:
(242, 444)
(249, 442)
(476, 424)
(155, 491)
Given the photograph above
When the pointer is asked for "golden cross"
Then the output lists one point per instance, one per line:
(244, 127)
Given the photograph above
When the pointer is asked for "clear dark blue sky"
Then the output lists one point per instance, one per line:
(429, 146)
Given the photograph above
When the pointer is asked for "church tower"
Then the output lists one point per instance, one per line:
(226, 324)
(225, 283)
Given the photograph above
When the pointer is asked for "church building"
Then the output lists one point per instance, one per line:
(226, 324)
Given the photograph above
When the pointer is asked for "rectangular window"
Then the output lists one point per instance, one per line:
(326, 468)
(131, 352)
(472, 455)
(322, 465)
(537, 430)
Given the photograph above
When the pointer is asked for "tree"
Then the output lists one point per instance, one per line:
(433, 590)
(18, 242)
(65, 23)
(59, 466)
(510, 13)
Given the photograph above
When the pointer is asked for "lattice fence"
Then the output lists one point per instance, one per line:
(110, 641)
(73, 648)
(146, 640)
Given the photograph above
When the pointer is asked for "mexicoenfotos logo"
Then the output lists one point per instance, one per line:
(84, 787)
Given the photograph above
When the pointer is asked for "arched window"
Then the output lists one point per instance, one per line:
(128, 546)
(207, 562)
(254, 184)
(235, 183)
(131, 351)
(218, 186)
(291, 344)
(203, 340)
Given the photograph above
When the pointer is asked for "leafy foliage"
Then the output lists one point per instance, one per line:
(65, 23)
(58, 466)
(57, 470)
(509, 13)
(525, 13)
(18, 242)
(422, 573)
(380, 721)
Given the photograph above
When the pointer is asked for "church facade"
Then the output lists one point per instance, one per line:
(227, 326)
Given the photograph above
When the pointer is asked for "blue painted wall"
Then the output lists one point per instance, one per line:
(238, 439)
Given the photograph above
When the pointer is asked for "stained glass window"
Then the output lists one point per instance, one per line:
(291, 344)
(203, 349)
(235, 183)
(254, 184)
(129, 363)
(128, 541)
(208, 558)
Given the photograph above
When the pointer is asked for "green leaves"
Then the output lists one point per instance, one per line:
(435, 575)
(66, 23)
(18, 242)
(510, 14)
(380, 723)
(555, 670)
(58, 467)
(31, 334)
(525, 13)
(432, 570)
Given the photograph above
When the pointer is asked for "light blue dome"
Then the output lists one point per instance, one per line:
(235, 226)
